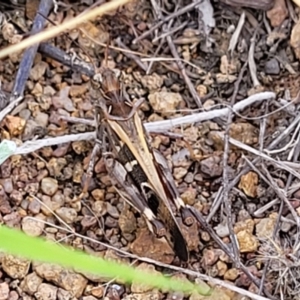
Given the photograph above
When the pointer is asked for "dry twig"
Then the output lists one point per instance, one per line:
(226, 200)
(209, 115)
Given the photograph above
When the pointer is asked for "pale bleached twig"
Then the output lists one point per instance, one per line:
(208, 115)
(31, 146)
(259, 212)
(235, 36)
(252, 65)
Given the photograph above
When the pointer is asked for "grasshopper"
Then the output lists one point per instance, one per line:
(142, 172)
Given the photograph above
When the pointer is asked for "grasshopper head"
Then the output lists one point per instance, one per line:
(107, 81)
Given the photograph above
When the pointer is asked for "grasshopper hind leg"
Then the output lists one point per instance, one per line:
(177, 241)
(154, 225)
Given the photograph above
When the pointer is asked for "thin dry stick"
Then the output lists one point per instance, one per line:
(266, 23)
(204, 116)
(252, 65)
(262, 130)
(259, 212)
(70, 24)
(29, 54)
(131, 55)
(216, 204)
(67, 60)
(284, 134)
(235, 37)
(78, 120)
(286, 65)
(154, 56)
(291, 143)
(281, 107)
(173, 30)
(31, 146)
(227, 201)
(291, 154)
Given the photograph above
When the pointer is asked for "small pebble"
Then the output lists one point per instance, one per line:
(49, 186)
(88, 221)
(38, 70)
(33, 227)
(41, 119)
(179, 172)
(68, 214)
(231, 274)
(46, 292)
(98, 194)
(4, 291)
(25, 114)
(15, 267)
(272, 67)
(63, 294)
(13, 295)
(111, 222)
(31, 283)
(112, 211)
(7, 184)
(34, 206)
(189, 177)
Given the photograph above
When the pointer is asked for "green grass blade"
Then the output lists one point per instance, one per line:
(16, 242)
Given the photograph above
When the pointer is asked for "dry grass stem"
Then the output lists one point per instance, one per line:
(70, 24)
